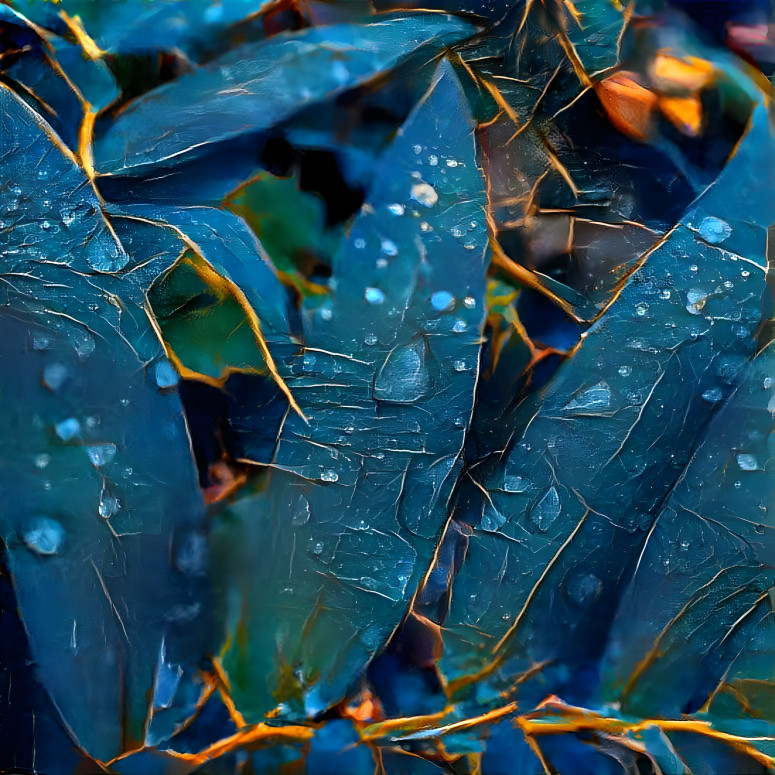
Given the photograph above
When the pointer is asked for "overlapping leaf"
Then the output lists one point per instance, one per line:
(107, 564)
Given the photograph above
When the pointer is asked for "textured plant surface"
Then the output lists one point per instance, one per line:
(386, 388)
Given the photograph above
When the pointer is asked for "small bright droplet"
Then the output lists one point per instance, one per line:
(712, 395)
(396, 209)
(469, 302)
(459, 365)
(101, 454)
(329, 476)
(625, 371)
(441, 300)
(68, 429)
(374, 296)
(746, 462)
(714, 230)
(43, 535)
(641, 309)
(424, 194)
(165, 375)
(460, 326)
(54, 376)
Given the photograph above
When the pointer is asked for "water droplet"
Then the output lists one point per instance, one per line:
(124, 402)
(684, 545)
(596, 398)
(370, 339)
(360, 243)
(433, 160)
(714, 230)
(442, 300)
(452, 163)
(317, 547)
(729, 284)
(101, 454)
(459, 365)
(374, 296)
(424, 194)
(457, 231)
(460, 326)
(329, 476)
(108, 506)
(396, 209)
(403, 377)
(693, 268)
(746, 462)
(42, 173)
(760, 529)
(43, 535)
(54, 376)
(42, 460)
(738, 485)
(712, 395)
(165, 375)
(625, 371)
(767, 383)
(641, 308)
(546, 510)
(695, 300)
(417, 148)
(664, 294)
(389, 247)
(745, 273)
(68, 429)
(469, 302)
(300, 513)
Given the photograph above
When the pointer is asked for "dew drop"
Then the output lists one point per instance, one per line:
(424, 194)
(54, 376)
(546, 510)
(396, 209)
(714, 230)
(746, 462)
(43, 535)
(374, 296)
(459, 365)
(165, 375)
(433, 160)
(389, 247)
(469, 302)
(441, 300)
(68, 429)
(625, 371)
(641, 308)
(403, 377)
(329, 476)
(713, 395)
(460, 326)
(101, 454)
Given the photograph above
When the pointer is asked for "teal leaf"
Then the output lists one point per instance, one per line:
(255, 87)
(355, 501)
(594, 454)
(89, 402)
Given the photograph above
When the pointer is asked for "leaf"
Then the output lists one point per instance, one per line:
(105, 564)
(595, 453)
(138, 25)
(355, 501)
(711, 629)
(256, 86)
